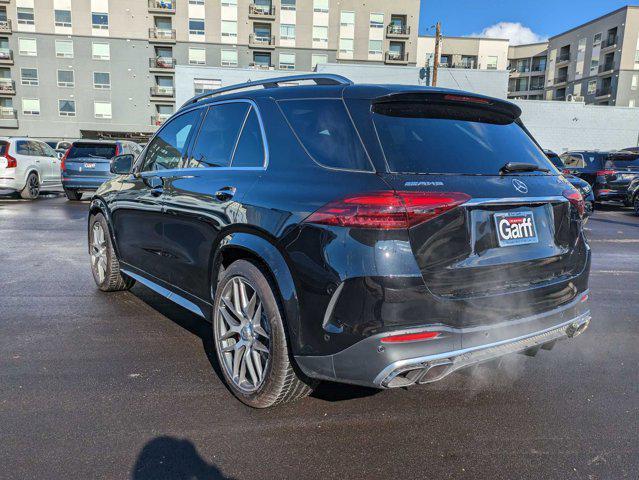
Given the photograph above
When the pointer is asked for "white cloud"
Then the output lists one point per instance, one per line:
(517, 33)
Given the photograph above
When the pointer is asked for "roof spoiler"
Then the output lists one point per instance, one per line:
(452, 97)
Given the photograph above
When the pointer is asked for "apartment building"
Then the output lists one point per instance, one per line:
(71, 68)
(465, 52)
(527, 65)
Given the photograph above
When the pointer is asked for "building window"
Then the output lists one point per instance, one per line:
(66, 78)
(288, 5)
(594, 66)
(100, 21)
(197, 56)
(635, 82)
(317, 59)
(229, 29)
(206, 85)
(227, 3)
(287, 61)
(62, 18)
(198, 2)
(31, 106)
(29, 76)
(66, 108)
(64, 48)
(631, 103)
(377, 20)
(101, 51)
(102, 109)
(346, 45)
(347, 19)
(262, 59)
(196, 26)
(374, 47)
(592, 87)
(320, 6)
(596, 40)
(102, 80)
(229, 58)
(27, 47)
(320, 34)
(491, 63)
(26, 16)
(287, 31)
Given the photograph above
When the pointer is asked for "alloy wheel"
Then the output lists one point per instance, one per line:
(99, 251)
(33, 186)
(242, 334)
(636, 205)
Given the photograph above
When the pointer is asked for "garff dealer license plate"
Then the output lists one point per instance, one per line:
(89, 165)
(516, 228)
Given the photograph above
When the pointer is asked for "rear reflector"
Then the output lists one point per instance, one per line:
(410, 337)
(387, 210)
(576, 200)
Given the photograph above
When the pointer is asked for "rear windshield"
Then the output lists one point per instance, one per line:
(625, 161)
(91, 150)
(422, 138)
(3, 147)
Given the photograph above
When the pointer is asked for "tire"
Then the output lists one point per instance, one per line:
(31, 189)
(249, 338)
(73, 195)
(105, 266)
(627, 203)
(635, 205)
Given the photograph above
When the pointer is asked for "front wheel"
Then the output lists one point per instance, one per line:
(104, 262)
(250, 340)
(32, 188)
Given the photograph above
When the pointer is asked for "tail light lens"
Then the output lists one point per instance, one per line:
(576, 200)
(387, 210)
(603, 173)
(11, 161)
(63, 165)
(565, 171)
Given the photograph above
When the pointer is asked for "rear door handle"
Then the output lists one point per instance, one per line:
(225, 194)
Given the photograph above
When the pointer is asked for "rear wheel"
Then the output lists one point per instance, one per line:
(32, 188)
(250, 341)
(635, 205)
(72, 194)
(104, 262)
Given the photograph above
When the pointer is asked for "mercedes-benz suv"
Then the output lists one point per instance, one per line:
(375, 235)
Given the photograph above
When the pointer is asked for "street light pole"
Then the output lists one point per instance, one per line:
(438, 40)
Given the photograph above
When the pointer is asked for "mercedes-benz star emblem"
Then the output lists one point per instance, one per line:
(520, 186)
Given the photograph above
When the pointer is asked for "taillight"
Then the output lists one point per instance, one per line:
(576, 200)
(565, 171)
(387, 210)
(117, 150)
(410, 337)
(63, 159)
(11, 161)
(603, 173)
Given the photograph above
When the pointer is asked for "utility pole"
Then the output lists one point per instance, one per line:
(438, 41)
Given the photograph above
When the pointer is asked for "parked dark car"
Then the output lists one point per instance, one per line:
(584, 187)
(609, 173)
(633, 195)
(85, 165)
(374, 235)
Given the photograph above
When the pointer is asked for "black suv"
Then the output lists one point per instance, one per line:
(374, 235)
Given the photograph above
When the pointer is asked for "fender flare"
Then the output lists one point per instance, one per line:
(272, 258)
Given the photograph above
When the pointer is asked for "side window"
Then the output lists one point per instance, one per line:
(35, 149)
(22, 147)
(167, 147)
(48, 151)
(218, 136)
(327, 133)
(250, 147)
(574, 161)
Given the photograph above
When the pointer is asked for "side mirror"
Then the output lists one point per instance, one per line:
(121, 165)
(59, 155)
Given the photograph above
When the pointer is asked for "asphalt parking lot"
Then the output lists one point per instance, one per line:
(124, 385)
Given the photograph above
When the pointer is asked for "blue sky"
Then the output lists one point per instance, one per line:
(544, 17)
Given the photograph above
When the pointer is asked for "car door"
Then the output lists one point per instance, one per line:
(593, 163)
(50, 162)
(137, 209)
(205, 197)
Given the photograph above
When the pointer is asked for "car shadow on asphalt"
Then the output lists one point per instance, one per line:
(326, 391)
(169, 458)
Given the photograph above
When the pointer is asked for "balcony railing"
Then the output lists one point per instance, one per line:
(8, 113)
(162, 34)
(7, 85)
(159, 118)
(6, 55)
(522, 69)
(397, 30)
(158, 91)
(264, 12)
(561, 79)
(536, 88)
(609, 42)
(608, 67)
(165, 63)
(261, 40)
(603, 92)
(5, 26)
(560, 97)
(564, 57)
(538, 68)
(162, 6)
(261, 66)
(396, 57)
(467, 66)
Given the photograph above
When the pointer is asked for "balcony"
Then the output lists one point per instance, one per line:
(163, 64)
(8, 117)
(603, 92)
(7, 86)
(261, 41)
(5, 26)
(6, 56)
(262, 12)
(163, 92)
(563, 58)
(606, 69)
(397, 31)
(561, 79)
(537, 69)
(610, 42)
(166, 7)
(161, 35)
(396, 58)
(159, 118)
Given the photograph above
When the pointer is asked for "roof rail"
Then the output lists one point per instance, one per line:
(319, 79)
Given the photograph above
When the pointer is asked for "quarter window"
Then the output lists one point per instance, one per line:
(250, 148)
(166, 149)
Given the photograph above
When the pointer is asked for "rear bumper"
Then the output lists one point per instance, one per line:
(84, 182)
(11, 184)
(609, 194)
(383, 365)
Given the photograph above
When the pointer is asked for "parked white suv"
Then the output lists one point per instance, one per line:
(28, 166)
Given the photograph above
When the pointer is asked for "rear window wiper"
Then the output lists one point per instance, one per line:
(514, 167)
